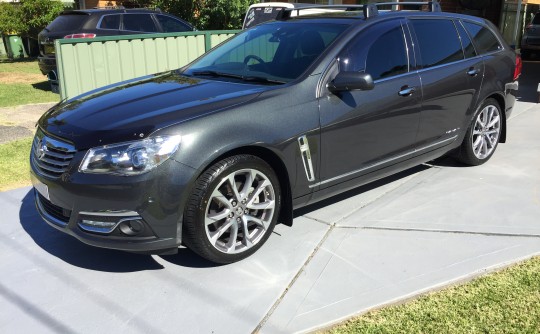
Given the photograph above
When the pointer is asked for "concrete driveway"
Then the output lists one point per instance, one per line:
(433, 225)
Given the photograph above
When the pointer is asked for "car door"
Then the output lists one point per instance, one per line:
(450, 81)
(362, 131)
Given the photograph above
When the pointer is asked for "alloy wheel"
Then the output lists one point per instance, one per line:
(486, 132)
(240, 211)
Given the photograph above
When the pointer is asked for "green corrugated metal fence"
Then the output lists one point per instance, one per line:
(86, 64)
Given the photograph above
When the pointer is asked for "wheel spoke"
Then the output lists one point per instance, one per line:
(491, 140)
(256, 220)
(231, 244)
(234, 188)
(222, 229)
(477, 143)
(484, 149)
(217, 216)
(493, 122)
(270, 204)
(257, 192)
(250, 178)
(219, 197)
(246, 241)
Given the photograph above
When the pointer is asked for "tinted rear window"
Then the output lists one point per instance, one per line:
(68, 22)
(168, 24)
(536, 19)
(484, 40)
(110, 22)
(466, 41)
(139, 22)
(438, 42)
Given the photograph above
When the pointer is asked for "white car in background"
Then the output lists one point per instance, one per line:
(267, 11)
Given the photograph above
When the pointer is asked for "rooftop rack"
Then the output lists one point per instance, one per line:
(370, 10)
(109, 7)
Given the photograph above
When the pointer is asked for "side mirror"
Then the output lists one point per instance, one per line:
(346, 81)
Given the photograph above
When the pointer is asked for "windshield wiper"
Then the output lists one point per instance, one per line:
(247, 78)
(253, 78)
(217, 74)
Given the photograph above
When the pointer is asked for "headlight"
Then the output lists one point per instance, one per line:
(131, 158)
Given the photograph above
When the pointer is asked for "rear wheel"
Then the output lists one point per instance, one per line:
(233, 209)
(483, 134)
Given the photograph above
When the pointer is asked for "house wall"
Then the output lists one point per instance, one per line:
(88, 4)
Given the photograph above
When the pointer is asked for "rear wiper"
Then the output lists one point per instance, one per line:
(249, 78)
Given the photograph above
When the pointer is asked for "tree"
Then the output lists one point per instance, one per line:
(223, 14)
(205, 14)
(37, 14)
(10, 22)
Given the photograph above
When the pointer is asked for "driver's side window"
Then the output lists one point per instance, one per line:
(379, 51)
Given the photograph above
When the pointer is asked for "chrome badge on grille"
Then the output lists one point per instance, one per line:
(51, 157)
(41, 149)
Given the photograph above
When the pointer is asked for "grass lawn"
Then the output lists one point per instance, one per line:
(21, 82)
(504, 302)
(14, 164)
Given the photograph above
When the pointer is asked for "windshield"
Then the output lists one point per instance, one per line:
(277, 52)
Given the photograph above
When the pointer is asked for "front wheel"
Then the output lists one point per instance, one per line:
(233, 209)
(482, 135)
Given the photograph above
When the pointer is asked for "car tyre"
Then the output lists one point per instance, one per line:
(483, 134)
(232, 210)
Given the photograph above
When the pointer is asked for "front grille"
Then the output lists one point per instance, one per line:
(54, 211)
(51, 157)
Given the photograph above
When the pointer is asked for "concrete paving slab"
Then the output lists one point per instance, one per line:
(53, 283)
(499, 197)
(405, 242)
(358, 269)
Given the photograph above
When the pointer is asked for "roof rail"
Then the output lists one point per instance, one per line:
(434, 5)
(370, 10)
(109, 7)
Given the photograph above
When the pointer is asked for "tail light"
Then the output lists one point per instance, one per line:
(519, 65)
(82, 35)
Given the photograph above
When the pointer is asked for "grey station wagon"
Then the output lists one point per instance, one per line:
(285, 114)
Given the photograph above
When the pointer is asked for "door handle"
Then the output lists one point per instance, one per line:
(473, 71)
(406, 91)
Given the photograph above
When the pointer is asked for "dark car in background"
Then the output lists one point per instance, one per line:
(91, 23)
(283, 115)
(530, 43)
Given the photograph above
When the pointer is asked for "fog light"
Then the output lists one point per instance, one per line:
(131, 227)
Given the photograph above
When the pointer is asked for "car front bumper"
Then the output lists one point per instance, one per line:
(140, 214)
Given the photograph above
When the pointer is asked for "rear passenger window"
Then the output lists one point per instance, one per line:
(484, 40)
(168, 24)
(110, 22)
(438, 42)
(387, 56)
(139, 22)
(466, 42)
